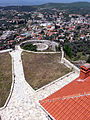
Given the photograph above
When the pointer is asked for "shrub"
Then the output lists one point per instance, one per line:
(68, 50)
(30, 47)
(88, 60)
(58, 48)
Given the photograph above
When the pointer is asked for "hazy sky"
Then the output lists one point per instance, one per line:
(32, 2)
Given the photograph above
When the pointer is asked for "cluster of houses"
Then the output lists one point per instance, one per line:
(50, 25)
(6, 40)
(77, 28)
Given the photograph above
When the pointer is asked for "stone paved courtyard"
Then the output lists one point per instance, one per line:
(24, 102)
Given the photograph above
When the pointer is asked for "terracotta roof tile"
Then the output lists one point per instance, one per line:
(73, 88)
(69, 109)
(72, 102)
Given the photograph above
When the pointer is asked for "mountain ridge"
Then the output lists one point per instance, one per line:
(78, 5)
(48, 3)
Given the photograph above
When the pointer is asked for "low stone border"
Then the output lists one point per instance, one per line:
(55, 81)
(3, 51)
(51, 44)
(68, 63)
(44, 46)
(12, 87)
(41, 52)
(38, 52)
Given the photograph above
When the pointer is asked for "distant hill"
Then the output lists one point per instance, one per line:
(66, 5)
(20, 8)
(78, 5)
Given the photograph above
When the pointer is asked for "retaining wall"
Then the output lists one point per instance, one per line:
(70, 65)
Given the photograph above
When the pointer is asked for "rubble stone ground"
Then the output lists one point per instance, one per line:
(24, 102)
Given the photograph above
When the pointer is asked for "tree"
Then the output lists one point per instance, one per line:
(68, 50)
(58, 48)
(42, 32)
(88, 60)
(78, 27)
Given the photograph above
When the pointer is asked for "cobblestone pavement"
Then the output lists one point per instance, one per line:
(23, 104)
(48, 90)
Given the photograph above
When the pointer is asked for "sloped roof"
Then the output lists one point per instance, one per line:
(63, 105)
(69, 108)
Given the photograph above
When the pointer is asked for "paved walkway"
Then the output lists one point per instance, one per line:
(58, 84)
(23, 104)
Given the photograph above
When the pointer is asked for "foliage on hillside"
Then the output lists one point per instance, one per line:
(66, 5)
(78, 50)
(88, 60)
(58, 48)
(68, 50)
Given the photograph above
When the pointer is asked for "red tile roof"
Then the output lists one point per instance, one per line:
(75, 87)
(63, 105)
(74, 108)
(82, 35)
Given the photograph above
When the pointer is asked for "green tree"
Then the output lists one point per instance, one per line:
(88, 60)
(58, 48)
(68, 50)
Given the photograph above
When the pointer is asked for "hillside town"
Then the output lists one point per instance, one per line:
(56, 25)
(45, 61)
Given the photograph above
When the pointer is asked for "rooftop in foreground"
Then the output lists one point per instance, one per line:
(72, 102)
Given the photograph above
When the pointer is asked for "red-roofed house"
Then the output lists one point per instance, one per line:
(82, 36)
(49, 26)
(0, 48)
(72, 102)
